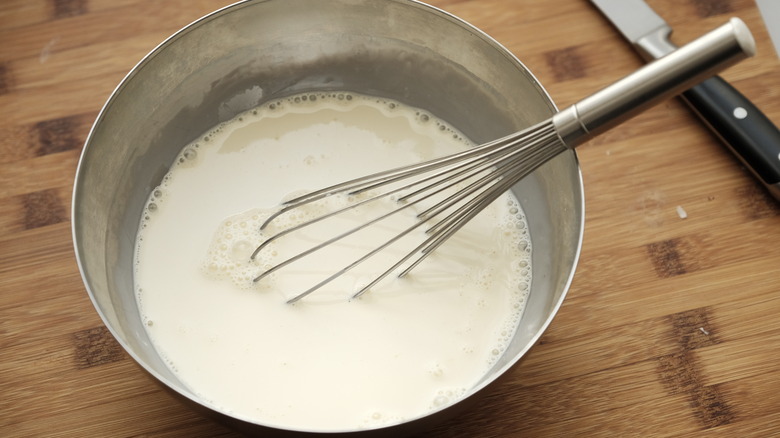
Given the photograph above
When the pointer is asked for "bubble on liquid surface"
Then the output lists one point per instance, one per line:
(241, 250)
(189, 154)
(441, 401)
(230, 254)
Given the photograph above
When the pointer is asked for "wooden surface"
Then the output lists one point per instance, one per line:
(670, 327)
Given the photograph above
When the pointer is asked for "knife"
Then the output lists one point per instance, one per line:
(750, 135)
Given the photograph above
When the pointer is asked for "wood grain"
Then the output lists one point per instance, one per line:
(670, 328)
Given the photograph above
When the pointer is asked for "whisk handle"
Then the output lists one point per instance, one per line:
(662, 79)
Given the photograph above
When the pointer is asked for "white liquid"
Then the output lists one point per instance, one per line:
(326, 363)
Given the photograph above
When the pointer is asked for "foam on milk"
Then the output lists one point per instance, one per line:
(409, 346)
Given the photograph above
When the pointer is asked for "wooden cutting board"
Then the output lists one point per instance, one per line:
(670, 327)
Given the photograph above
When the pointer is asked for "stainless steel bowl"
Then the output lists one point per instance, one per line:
(254, 51)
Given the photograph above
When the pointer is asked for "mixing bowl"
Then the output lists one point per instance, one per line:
(253, 51)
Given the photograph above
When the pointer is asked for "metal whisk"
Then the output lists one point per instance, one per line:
(469, 181)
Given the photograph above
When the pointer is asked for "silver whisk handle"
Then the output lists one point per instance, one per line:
(663, 78)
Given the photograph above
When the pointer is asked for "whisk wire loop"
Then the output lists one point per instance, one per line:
(495, 170)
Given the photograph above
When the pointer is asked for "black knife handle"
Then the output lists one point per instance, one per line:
(742, 126)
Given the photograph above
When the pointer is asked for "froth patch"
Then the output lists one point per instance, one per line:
(229, 256)
(233, 254)
(378, 418)
(446, 397)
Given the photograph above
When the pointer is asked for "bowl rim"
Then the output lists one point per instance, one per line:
(190, 396)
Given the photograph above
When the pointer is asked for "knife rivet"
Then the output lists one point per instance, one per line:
(740, 112)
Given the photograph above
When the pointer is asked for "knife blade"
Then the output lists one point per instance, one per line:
(740, 125)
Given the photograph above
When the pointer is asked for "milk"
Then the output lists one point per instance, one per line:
(407, 347)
